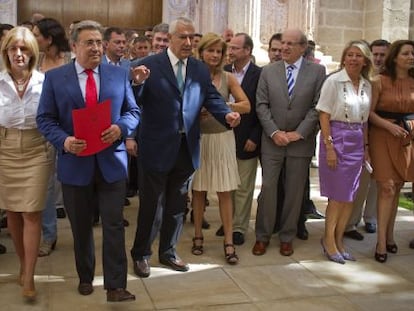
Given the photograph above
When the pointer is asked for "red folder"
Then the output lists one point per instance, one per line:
(89, 123)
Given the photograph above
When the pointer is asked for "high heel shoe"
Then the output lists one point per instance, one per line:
(392, 248)
(46, 248)
(337, 257)
(348, 256)
(231, 258)
(29, 295)
(197, 249)
(380, 257)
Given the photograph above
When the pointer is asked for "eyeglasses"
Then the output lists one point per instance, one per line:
(235, 47)
(290, 43)
(185, 36)
(91, 43)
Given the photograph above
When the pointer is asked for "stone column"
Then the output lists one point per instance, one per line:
(8, 12)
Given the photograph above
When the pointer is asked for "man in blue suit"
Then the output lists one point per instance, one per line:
(102, 174)
(171, 97)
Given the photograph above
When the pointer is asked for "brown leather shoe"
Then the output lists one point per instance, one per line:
(118, 294)
(176, 263)
(142, 268)
(85, 289)
(259, 248)
(286, 248)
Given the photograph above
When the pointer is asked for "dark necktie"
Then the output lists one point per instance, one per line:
(290, 80)
(91, 97)
(180, 80)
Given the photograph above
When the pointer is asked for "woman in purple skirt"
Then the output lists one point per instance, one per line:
(343, 113)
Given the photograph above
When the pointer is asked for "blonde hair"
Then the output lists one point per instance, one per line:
(367, 71)
(208, 40)
(24, 34)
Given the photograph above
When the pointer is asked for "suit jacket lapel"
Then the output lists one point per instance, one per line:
(72, 86)
(300, 77)
(105, 79)
(166, 68)
(281, 74)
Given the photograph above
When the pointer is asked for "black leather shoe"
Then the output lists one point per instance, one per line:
(220, 231)
(302, 233)
(370, 228)
(85, 289)
(60, 212)
(314, 214)
(353, 234)
(142, 268)
(131, 193)
(238, 238)
(3, 249)
(118, 294)
(175, 263)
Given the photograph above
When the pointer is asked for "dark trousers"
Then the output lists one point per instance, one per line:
(163, 197)
(79, 206)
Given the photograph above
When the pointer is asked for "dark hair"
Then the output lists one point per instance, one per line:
(389, 64)
(275, 36)
(108, 32)
(4, 27)
(51, 28)
(142, 39)
(248, 42)
(379, 42)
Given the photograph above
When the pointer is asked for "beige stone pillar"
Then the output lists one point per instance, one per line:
(8, 12)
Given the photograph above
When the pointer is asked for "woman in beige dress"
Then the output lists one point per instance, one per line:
(26, 158)
(218, 170)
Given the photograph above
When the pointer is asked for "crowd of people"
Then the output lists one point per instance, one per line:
(191, 114)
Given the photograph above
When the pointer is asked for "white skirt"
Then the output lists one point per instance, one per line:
(218, 170)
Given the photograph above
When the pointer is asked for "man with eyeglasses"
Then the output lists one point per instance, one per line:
(286, 96)
(79, 84)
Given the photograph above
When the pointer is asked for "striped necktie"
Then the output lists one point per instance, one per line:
(290, 80)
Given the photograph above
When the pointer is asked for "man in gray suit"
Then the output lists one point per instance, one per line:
(286, 96)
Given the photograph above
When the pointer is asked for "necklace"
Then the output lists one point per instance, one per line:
(20, 84)
(346, 106)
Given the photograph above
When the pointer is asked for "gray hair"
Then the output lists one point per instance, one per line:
(181, 20)
(163, 27)
(84, 25)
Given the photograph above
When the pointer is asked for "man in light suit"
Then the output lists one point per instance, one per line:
(247, 134)
(289, 129)
(102, 174)
(172, 97)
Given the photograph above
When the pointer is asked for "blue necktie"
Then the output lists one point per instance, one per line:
(290, 80)
(180, 80)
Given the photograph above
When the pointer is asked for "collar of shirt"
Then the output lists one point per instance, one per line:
(297, 65)
(82, 77)
(240, 74)
(174, 60)
(111, 62)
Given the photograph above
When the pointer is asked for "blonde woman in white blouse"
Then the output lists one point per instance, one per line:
(343, 113)
(25, 156)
